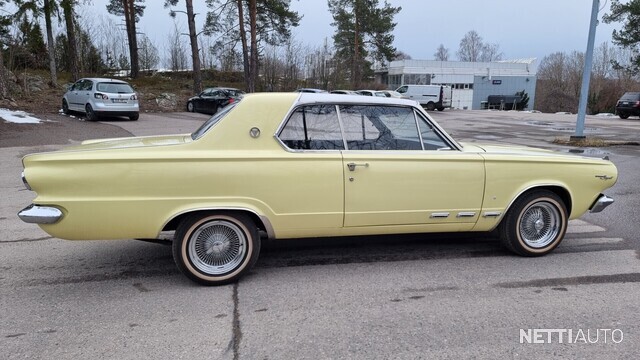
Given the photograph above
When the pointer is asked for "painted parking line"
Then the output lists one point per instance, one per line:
(591, 241)
(582, 227)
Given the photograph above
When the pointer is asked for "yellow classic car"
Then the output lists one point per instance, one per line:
(295, 165)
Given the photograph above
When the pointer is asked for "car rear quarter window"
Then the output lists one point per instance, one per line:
(313, 127)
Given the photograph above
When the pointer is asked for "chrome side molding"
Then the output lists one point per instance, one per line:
(491, 214)
(439, 215)
(466, 214)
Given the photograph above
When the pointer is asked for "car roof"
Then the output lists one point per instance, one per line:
(105, 80)
(310, 98)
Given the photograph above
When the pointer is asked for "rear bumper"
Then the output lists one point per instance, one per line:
(35, 214)
(600, 204)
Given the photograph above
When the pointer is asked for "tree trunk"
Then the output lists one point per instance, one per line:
(195, 56)
(253, 61)
(130, 21)
(245, 50)
(52, 57)
(3, 78)
(71, 39)
(355, 63)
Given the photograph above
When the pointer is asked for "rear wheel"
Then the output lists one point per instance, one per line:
(134, 117)
(91, 115)
(216, 249)
(65, 106)
(430, 106)
(535, 224)
(623, 115)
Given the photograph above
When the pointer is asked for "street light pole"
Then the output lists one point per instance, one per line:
(586, 74)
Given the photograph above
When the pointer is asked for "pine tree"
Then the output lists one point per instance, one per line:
(363, 34)
(132, 10)
(629, 36)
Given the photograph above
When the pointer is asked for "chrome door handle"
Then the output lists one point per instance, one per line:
(352, 166)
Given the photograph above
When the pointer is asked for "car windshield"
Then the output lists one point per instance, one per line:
(213, 120)
(114, 88)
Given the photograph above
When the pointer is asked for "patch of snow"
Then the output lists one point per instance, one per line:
(606, 115)
(19, 117)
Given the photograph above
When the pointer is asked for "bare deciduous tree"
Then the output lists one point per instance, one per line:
(473, 49)
(147, 54)
(177, 55)
(470, 47)
(441, 54)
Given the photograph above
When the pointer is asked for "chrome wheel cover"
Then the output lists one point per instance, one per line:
(540, 224)
(217, 247)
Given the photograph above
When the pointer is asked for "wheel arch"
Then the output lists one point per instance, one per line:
(559, 190)
(262, 222)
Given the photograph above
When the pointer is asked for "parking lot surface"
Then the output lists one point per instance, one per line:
(382, 297)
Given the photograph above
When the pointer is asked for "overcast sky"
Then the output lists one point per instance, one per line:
(523, 29)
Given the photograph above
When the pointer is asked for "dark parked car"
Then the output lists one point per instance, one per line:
(212, 99)
(628, 105)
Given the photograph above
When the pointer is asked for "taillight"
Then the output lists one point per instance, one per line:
(101, 96)
(231, 100)
(133, 97)
(638, 104)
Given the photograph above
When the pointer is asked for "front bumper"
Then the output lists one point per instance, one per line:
(36, 214)
(600, 204)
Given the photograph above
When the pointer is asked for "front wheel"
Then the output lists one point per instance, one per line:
(65, 107)
(190, 107)
(216, 249)
(134, 117)
(535, 224)
(441, 108)
(623, 115)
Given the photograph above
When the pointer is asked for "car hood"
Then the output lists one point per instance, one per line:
(129, 142)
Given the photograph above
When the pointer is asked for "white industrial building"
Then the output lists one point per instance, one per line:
(472, 82)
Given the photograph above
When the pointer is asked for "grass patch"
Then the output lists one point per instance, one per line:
(591, 142)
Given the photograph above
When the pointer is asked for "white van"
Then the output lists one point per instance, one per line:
(429, 96)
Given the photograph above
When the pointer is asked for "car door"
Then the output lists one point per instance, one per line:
(85, 92)
(200, 103)
(309, 174)
(72, 95)
(397, 175)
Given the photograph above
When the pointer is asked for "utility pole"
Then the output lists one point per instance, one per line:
(586, 74)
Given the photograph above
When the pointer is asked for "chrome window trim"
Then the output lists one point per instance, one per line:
(453, 145)
(415, 118)
(342, 133)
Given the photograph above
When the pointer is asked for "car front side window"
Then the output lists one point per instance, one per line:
(376, 127)
(430, 138)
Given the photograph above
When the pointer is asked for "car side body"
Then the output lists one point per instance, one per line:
(210, 100)
(272, 161)
(98, 97)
